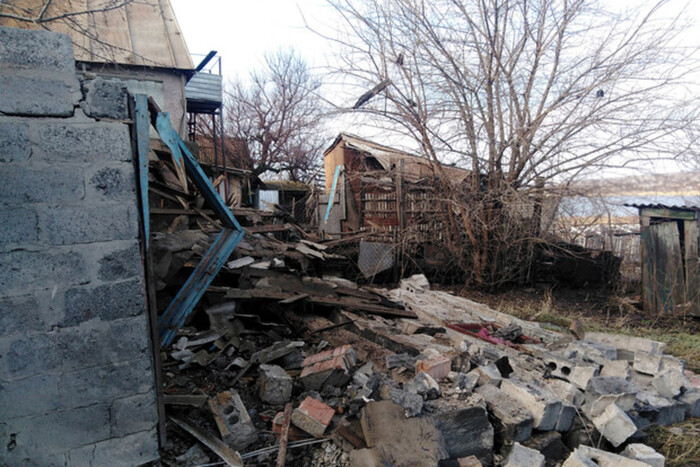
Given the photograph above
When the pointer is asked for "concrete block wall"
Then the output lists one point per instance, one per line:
(76, 376)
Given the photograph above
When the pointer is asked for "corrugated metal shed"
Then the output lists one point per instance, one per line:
(204, 92)
(142, 33)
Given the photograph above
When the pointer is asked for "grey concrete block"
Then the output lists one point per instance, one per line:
(36, 50)
(121, 264)
(23, 271)
(511, 420)
(29, 397)
(615, 425)
(21, 185)
(116, 182)
(24, 356)
(545, 407)
(28, 313)
(106, 302)
(136, 449)
(691, 400)
(603, 391)
(275, 385)
(76, 224)
(521, 456)
(105, 383)
(22, 95)
(61, 431)
(644, 453)
(466, 428)
(18, 226)
(14, 142)
(85, 142)
(134, 414)
(105, 99)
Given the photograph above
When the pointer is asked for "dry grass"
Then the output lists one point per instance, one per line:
(680, 443)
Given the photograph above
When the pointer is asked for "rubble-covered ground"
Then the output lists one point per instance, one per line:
(285, 351)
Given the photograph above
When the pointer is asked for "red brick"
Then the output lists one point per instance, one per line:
(335, 363)
(436, 366)
(313, 416)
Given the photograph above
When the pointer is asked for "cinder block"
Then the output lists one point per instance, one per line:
(591, 351)
(669, 383)
(603, 391)
(105, 383)
(105, 99)
(465, 426)
(81, 224)
(133, 414)
(28, 397)
(691, 400)
(37, 50)
(410, 402)
(34, 96)
(121, 264)
(566, 418)
(275, 385)
(19, 226)
(658, 410)
(233, 420)
(22, 271)
(630, 343)
(644, 453)
(29, 313)
(545, 408)
(618, 368)
(586, 456)
(647, 363)
(137, 449)
(511, 420)
(566, 391)
(107, 302)
(114, 182)
(424, 385)
(615, 425)
(84, 142)
(313, 416)
(59, 431)
(520, 456)
(21, 186)
(14, 142)
(487, 374)
(581, 373)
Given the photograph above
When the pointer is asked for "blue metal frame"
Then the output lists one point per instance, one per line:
(174, 317)
(143, 127)
(331, 198)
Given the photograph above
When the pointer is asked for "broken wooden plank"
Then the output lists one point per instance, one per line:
(193, 400)
(228, 455)
(284, 436)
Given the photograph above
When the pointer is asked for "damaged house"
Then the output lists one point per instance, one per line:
(237, 340)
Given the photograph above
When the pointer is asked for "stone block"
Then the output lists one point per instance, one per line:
(511, 421)
(19, 226)
(603, 391)
(35, 96)
(82, 224)
(691, 400)
(84, 142)
(29, 397)
(487, 374)
(545, 407)
(29, 313)
(658, 410)
(105, 99)
(669, 383)
(566, 391)
(105, 383)
(114, 182)
(36, 50)
(106, 302)
(628, 343)
(14, 142)
(21, 185)
(313, 416)
(275, 385)
(136, 449)
(614, 425)
(644, 453)
(123, 263)
(437, 366)
(581, 373)
(465, 427)
(58, 431)
(618, 368)
(133, 414)
(24, 271)
(647, 363)
(521, 456)
(587, 456)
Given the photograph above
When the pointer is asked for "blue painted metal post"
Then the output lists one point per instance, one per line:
(143, 126)
(332, 196)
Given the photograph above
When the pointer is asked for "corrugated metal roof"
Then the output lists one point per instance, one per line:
(684, 207)
(141, 32)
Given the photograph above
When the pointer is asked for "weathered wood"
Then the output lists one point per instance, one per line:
(692, 266)
(228, 455)
(284, 435)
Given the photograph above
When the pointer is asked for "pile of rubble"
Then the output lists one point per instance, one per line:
(285, 367)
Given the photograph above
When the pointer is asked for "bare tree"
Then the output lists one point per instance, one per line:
(277, 112)
(527, 94)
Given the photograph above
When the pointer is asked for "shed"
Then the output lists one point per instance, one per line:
(288, 196)
(670, 266)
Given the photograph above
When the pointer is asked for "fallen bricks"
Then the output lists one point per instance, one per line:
(361, 383)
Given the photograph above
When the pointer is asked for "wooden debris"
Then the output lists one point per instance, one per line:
(218, 447)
